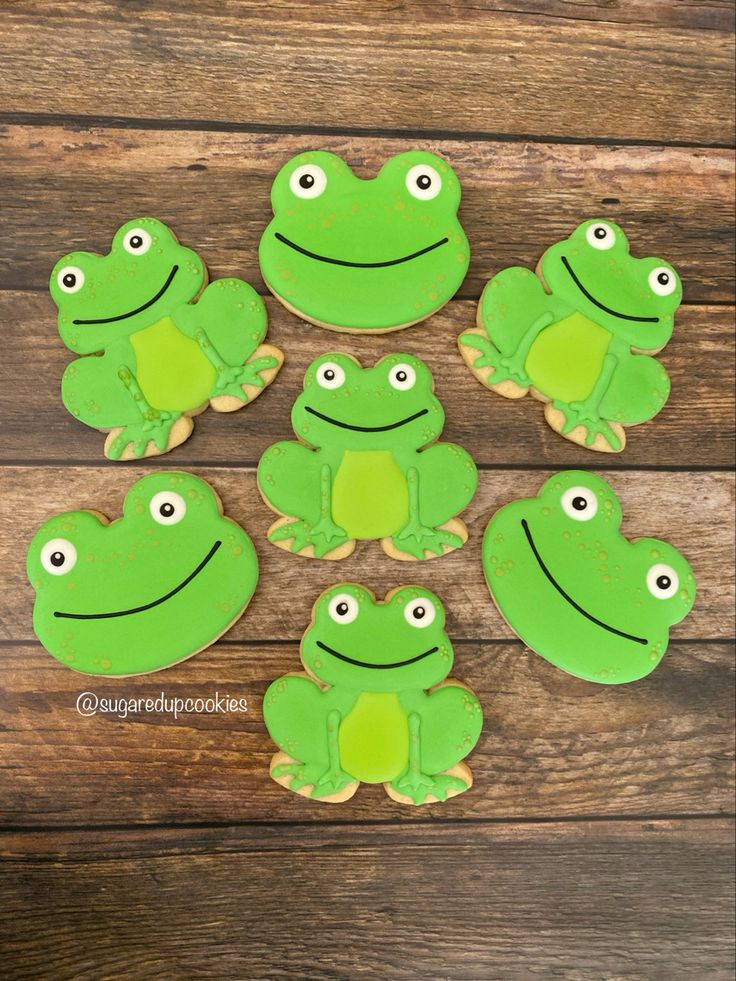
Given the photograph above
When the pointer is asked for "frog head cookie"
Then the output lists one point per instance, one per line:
(576, 590)
(364, 255)
(362, 712)
(149, 589)
(575, 335)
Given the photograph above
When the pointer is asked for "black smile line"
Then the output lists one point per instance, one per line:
(358, 265)
(367, 429)
(570, 600)
(365, 664)
(132, 313)
(146, 606)
(614, 313)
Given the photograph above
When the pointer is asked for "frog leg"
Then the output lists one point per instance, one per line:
(505, 367)
(596, 433)
(638, 390)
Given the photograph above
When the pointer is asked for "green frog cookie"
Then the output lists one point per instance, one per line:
(142, 592)
(575, 590)
(362, 713)
(364, 255)
(575, 335)
(169, 346)
(367, 470)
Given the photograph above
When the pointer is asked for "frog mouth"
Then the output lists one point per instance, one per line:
(146, 606)
(602, 306)
(366, 664)
(359, 265)
(568, 598)
(366, 429)
(140, 309)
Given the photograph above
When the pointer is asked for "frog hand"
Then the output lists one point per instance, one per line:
(586, 414)
(505, 368)
(420, 786)
(324, 537)
(416, 539)
(155, 426)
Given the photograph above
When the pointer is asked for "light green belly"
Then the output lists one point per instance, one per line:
(566, 360)
(370, 498)
(374, 738)
(170, 368)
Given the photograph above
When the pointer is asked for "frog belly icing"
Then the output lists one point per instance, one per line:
(370, 497)
(374, 738)
(190, 376)
(565, 360)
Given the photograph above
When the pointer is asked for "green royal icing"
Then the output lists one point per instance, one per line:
(155, 586)
(367, 470)
(576, 590)
(574, 334)
(364, 255)
(364, 713)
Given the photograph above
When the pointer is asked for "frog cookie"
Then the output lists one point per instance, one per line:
(575, 590)
(367, 470)
(367, 256)
(362, 713)
(169, 345)
(574, 335)
(149, 589)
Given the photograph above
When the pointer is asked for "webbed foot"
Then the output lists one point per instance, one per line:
(505, 372)
(416, 539)
(312, 780)
(324, 538)
(157, 433)
(581, 423)
(419, 787)
(236, 385)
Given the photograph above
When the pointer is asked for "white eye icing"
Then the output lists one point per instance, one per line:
(402, 377)
(423, 182)
(343, 608)
(662, 281)
(330, 375)
(167, 507)
(419, 612)
(662, 581)
(308, 181)
(601, 236)
(70, 279)
(58, 556)
(137, 241)
(579, 503)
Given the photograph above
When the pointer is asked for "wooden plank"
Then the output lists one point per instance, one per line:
(472, 903)
(700, 360)
(335, 65)
(70, 187)
(552, 746)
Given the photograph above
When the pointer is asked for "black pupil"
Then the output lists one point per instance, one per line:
(329, 375)
(342, 609)
(579, 503)
(136, 241)
(69, 280)
(600, 233)
(418, 613)
(664, 582)
(663, 278)
(57, 559)
(401, 376)
(166, 510)
(306, 181)
(424, 181)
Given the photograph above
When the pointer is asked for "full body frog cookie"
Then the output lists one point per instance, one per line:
(169, 345)
(149, 589)
(575, 590)
(368, 470)
(362, 713)
(364, 255)
(574, 335)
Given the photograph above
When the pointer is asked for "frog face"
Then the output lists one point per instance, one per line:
(358, 643)
(145, 275)
(390, 404)
(371, 255)
(635, 299)
(160, 583)
(575, 590)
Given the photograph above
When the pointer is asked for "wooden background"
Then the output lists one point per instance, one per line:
(597, 841)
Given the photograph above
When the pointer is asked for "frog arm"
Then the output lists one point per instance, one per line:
(508, 366)
(417, 538)
(637, 391)
(587, 412)
(153, 425)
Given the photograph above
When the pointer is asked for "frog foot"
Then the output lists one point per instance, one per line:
(325, 539)
(157, 433)
(236, 385)
(592, 431)
(420, 787)
(503, 373)
(415, 539)
(311, 779)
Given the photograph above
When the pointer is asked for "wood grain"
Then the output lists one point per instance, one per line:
(70, 187)
(390, 66)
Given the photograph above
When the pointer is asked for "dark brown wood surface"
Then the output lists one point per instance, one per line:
(597, 840)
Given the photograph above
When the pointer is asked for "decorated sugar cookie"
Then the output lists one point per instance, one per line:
(367, 470)
(364, 255)
(575, 590)
(362, 712)
(574, 335)
(149, 589)
(169, 345)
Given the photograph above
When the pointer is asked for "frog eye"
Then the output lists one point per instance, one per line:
(662, 281)
(423, 182)
(330, 375)
(402, 377)
(662, 581)
(419, 612)
(579, 503)
(58, 556)
(343, 608)
(137, 241)
(308, 181)
(70, 279)
(600, 235)
(167, 508)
